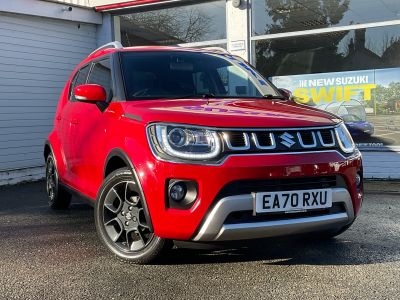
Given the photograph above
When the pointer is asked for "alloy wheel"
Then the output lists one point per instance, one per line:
(124, 218)
(51, 179)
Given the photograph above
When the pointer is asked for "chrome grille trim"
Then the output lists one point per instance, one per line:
(272, 139)
(238, 148)
(322, 140)
(314, 143)
(282, 140)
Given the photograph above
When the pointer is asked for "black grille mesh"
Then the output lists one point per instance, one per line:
(326, 136)
(236, 138)
(264, 139)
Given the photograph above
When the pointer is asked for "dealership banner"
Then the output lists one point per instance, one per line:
(368, 101)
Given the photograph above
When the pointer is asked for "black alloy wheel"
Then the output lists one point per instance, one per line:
(122, 222)
(58, 198)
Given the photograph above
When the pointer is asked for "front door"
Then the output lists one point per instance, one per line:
(88, 133)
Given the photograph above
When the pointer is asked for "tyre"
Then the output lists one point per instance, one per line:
(58, 198)
(121, 221)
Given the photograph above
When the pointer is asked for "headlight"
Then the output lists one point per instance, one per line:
(344, 138)
(184, 142)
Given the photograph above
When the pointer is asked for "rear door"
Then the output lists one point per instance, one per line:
(68, 123)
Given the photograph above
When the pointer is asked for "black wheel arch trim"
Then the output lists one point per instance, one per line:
(47, 144)
(116, 152)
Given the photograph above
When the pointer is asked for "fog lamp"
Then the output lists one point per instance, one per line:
(177, 191)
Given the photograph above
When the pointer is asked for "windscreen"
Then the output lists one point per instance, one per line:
(178, 74)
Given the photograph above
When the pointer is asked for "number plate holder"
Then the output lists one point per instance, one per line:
(292, 201)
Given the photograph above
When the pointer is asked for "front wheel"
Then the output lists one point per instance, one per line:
(121, 220)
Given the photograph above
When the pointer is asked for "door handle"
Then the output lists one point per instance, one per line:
(74, 121)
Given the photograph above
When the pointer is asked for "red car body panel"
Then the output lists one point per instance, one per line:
(229, 113)
(84, 136)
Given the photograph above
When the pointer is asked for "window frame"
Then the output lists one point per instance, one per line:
(112, 84)
(71, 96)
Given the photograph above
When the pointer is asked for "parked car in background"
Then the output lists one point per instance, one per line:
(174, 143)
(354, 116)
(358, 127)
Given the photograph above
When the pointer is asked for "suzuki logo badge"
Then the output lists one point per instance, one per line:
(287, 139)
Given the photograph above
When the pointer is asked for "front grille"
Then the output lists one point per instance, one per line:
(307, 139)
(241, 187)
(236, 139)
(264, 139)
(274, 140)
(327, 137)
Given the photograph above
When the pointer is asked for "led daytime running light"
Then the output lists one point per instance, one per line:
(162, 136)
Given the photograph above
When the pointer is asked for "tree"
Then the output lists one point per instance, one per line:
(171, 26)
(289, 15)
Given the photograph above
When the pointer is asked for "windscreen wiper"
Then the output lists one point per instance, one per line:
(199, 95)
(270, 96)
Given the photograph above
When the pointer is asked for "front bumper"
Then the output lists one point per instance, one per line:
(187, 224)
(215, 228)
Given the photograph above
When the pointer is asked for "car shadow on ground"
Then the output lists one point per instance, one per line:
(354, 247)
(343, 250)
(368, 241)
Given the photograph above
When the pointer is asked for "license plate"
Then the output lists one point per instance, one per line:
(292, 201)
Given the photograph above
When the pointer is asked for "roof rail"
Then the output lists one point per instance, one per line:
(217, 49)
(115, 44)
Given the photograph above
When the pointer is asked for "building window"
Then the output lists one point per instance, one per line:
(354, 74)
(361, 49)
(279, 16)
(178, 25)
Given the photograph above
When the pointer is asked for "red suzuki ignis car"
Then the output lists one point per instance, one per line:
(173, 143)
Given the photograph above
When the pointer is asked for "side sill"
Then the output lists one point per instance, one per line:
(78, 194)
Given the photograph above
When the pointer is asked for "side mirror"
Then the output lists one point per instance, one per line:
(286, 93)
(91, 93)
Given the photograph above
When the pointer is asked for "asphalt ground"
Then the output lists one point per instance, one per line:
(57, 255)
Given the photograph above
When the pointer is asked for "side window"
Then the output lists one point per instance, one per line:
(101, 75)
(80, 78)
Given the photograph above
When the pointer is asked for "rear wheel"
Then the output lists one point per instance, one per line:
(58, 198)
(121, 220)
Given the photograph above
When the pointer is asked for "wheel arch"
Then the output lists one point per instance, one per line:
(47, 149)
(117, 159)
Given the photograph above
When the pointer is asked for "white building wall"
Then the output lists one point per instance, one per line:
(89, 3)
(238, 29)
(50, 10)
(85, 3)
(37, 55)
